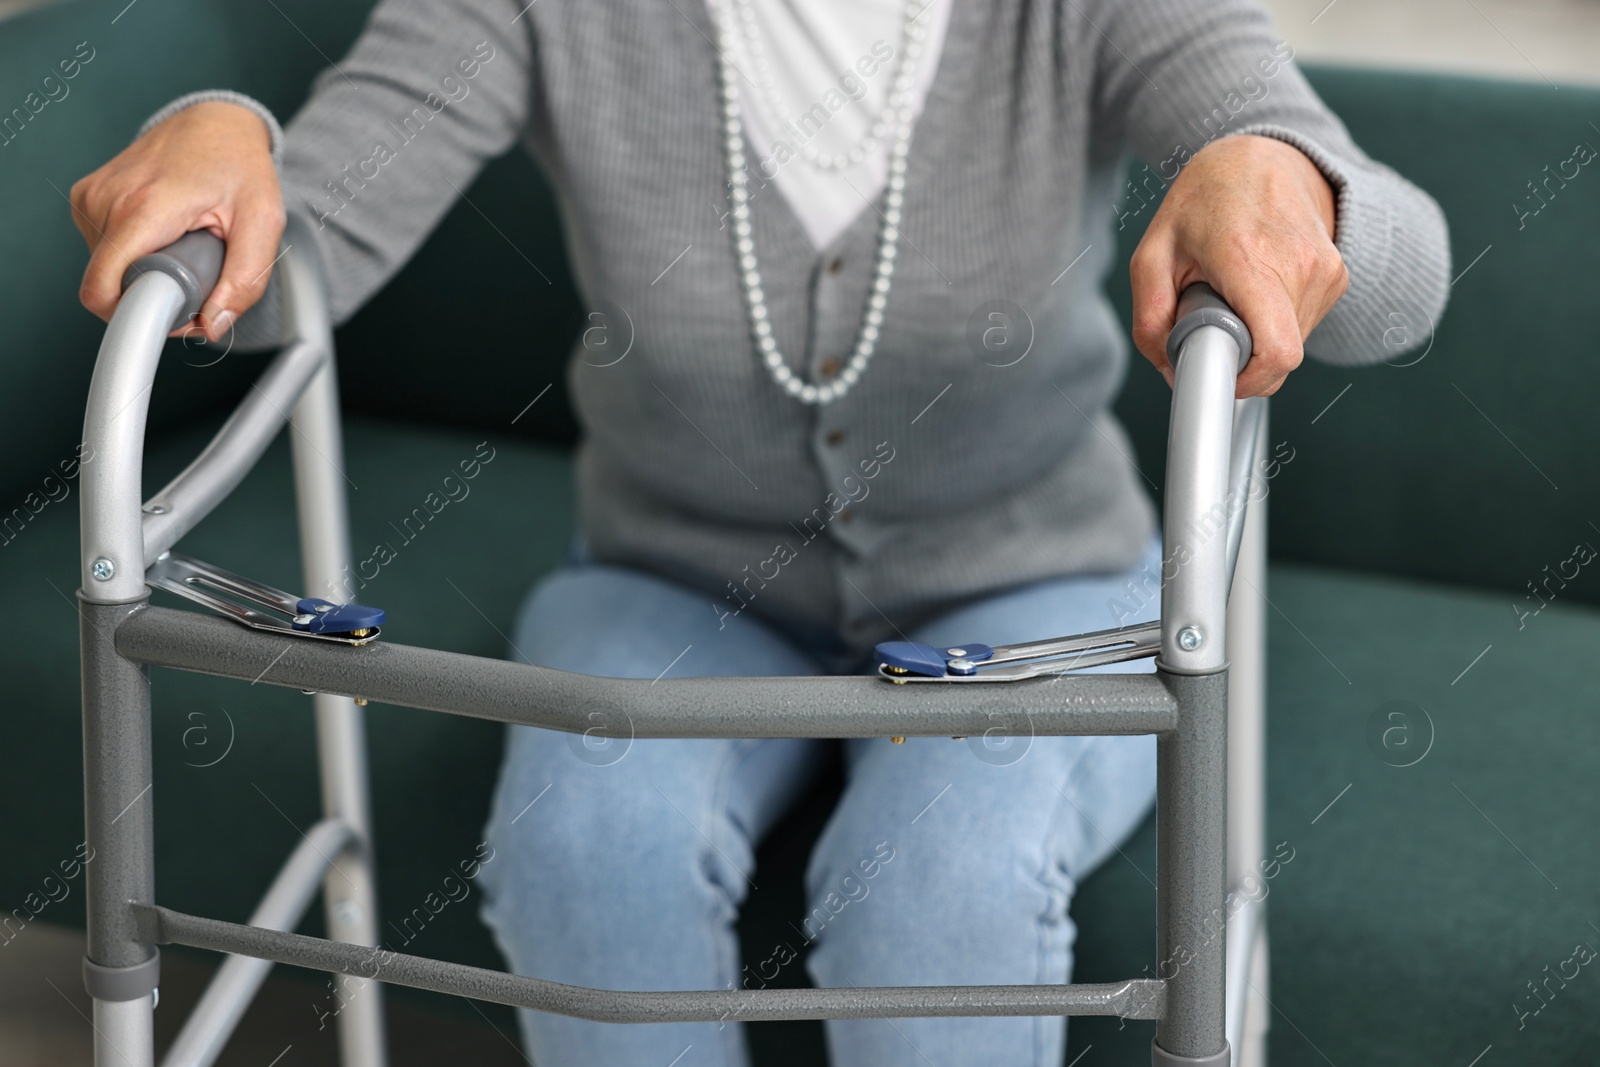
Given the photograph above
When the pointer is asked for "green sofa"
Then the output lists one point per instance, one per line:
(1439, 874)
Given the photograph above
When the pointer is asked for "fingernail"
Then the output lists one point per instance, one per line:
(222, 321)
(1166, 372)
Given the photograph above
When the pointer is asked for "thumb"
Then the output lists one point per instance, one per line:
(252, 251)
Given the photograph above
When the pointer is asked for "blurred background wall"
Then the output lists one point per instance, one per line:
(1549, 40)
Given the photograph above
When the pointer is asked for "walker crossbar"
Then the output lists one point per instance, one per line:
(1194, 997)
(1138, 999)
(623, 708)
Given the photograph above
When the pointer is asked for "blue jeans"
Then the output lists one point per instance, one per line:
(622, 865)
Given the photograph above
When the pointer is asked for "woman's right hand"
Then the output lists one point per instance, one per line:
(208, 167)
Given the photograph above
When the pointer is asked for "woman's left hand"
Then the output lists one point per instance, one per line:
(1254, 217)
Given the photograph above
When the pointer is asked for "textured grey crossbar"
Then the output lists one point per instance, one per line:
(1139, 998)
(846, 706)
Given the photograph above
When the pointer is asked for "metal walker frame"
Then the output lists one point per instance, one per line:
(1207, 997)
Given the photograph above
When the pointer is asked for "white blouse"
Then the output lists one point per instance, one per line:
(829, 64)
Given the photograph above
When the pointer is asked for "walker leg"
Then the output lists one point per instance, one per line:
(349, 891)
(1248, 1014)
(120, 972)
(124, 1033)
(349, 896)
(1247, 696)
(1192, 859)
(1257, 1013)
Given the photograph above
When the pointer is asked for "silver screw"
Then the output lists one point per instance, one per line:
(1189, 638)
(103, 569)
(955, 651)
(960, 665)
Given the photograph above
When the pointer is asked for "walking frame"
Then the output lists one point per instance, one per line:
(1206, 996)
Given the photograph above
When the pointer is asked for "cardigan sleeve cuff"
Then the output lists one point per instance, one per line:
(226, 96)
(1394, 241)
(1356, 219)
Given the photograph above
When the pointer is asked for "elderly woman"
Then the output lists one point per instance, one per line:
(846, 376)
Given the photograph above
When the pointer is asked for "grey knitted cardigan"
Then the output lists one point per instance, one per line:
(962, 462)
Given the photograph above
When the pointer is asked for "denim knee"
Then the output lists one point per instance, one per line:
(937, 909)
(587, 856)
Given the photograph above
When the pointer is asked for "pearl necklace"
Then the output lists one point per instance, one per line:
(778, 106)
(755, 300)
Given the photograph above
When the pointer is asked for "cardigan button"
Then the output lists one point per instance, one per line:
(835, 265)
(830, 367)
(835, 438)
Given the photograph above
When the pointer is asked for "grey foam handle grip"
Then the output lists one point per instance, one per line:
(1199, 305)
(194, 261)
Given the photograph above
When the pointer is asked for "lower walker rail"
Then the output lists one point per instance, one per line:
(1140, 998)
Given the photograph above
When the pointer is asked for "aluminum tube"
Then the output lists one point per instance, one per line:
(1247, 700)
(213, 1019)
(113, 440)
(218, 470)
(350, 893)
(119, 864)
(1195, 523)
(1249, 444)
(1191, 845)
(118, 789)
(500, 690)
(1140, 998)
(1244, 929)
(1247, 780)
(1258, 1011)
(124, 1033)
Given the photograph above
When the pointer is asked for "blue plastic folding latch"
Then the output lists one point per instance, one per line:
(914, 657)
(319, 616)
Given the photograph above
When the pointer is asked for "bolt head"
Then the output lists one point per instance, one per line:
(1189, 638)
(103, 569)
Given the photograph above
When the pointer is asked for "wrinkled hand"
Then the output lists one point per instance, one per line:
(209, 167)
(1254, 217)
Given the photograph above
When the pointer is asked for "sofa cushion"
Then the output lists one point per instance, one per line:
(1437, 870)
